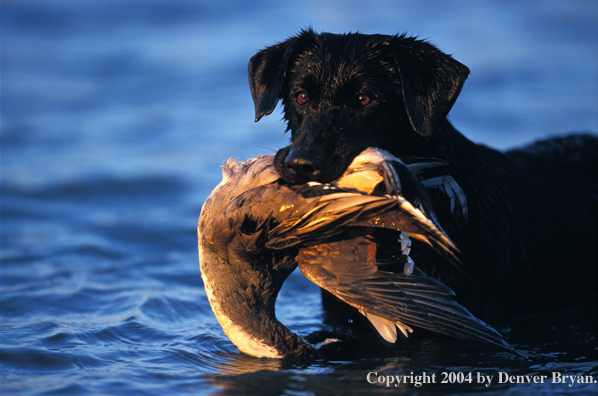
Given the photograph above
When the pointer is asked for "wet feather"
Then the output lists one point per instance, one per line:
(253, 230)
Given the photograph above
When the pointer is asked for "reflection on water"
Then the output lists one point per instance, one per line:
(115, 116)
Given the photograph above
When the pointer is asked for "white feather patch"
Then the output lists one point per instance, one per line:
(387, 328)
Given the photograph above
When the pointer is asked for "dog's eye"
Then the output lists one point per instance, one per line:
(302, 98)
(364, 100)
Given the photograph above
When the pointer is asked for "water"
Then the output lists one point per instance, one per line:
(114, 117)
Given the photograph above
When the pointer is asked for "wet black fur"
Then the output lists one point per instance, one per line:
(530, 242)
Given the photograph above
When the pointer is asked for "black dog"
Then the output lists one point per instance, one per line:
(530, 242)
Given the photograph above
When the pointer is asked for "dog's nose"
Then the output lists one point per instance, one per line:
(303, 165)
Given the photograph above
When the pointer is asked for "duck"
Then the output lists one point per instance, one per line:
(351, 237)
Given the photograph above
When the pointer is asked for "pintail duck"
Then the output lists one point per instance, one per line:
(254, 231)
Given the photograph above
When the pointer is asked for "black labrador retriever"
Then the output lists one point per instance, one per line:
(529, 243)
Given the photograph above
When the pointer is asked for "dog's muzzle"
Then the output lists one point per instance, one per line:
(304, 165)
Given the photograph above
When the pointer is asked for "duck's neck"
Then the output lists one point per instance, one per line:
(243, 300)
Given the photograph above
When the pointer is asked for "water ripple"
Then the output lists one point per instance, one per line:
(114, 119)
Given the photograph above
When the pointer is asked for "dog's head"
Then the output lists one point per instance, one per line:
(344, 93)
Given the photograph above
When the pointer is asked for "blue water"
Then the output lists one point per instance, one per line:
(115, 115)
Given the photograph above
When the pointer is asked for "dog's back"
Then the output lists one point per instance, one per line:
(531, 239)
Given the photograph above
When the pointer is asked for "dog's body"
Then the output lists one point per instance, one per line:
(529, 244)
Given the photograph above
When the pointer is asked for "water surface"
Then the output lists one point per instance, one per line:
(115, 115)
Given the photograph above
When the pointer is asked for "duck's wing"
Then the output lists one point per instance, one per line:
(388, 297)
(318, 212)
(288, 216)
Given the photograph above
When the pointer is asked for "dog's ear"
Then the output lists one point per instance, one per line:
(431, 81)
(267, 70)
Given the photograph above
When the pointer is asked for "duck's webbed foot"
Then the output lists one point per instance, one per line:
(449, 186)
(328, 343)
